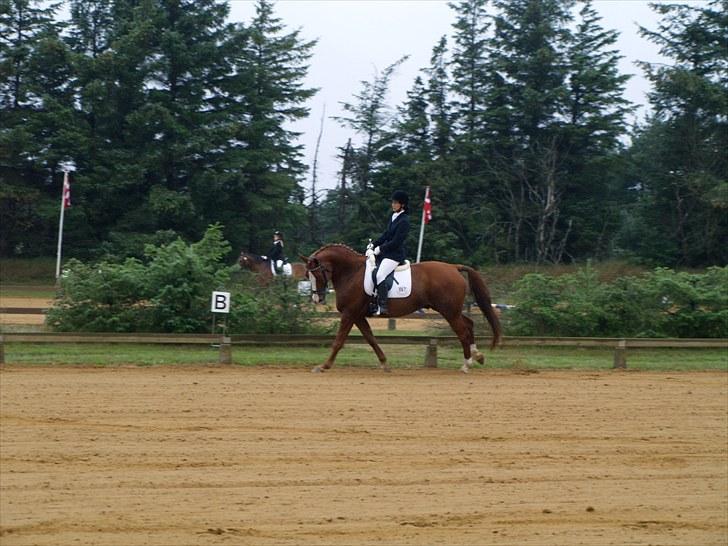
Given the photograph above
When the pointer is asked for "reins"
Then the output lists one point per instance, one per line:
(320, 267)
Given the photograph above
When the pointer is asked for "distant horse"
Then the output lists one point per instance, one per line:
(261, 266)
(435, 285)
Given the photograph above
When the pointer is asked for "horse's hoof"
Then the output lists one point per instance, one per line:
(464, 369)
(317, 369)
(480, 358)
(386, 369)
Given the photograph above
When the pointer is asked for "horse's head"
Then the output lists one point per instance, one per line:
(246, 260)
(319, 277)
(329, 260)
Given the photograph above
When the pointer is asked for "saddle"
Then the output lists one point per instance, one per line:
(399, 281)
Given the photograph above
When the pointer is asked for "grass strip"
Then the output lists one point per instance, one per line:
(521, 359)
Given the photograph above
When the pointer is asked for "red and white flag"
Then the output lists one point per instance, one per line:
(427, 208)
(66, 191)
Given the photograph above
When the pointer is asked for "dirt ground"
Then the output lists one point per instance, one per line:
(208, 455)
(35, 319)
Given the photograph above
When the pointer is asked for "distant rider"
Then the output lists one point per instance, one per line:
(389, 249)
(275, 254)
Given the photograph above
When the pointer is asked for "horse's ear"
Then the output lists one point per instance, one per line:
(304, 258)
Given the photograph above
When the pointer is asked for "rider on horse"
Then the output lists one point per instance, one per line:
(389, 249)
(275, 255)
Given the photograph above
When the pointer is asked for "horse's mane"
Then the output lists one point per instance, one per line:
(338, 245)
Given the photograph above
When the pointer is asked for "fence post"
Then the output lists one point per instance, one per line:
(226, 356)
(620, 355)
(391, 324)
(431, 354)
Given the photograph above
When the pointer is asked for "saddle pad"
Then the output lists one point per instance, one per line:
(287, 270)
(402, 286)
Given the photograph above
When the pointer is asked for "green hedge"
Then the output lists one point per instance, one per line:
(170, 292)
(662, 303)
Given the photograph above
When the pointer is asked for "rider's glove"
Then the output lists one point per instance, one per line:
(264, 257)
(369, 253)
(377, 251)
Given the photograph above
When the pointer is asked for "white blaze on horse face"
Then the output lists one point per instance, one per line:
(314, 294)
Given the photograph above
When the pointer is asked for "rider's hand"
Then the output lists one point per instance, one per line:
(377, 251)
(369, 253)
(264, 257)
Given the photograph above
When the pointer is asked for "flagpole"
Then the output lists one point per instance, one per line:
(422, 228)
(60, 225)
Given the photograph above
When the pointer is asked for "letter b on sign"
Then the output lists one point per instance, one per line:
(220, 302)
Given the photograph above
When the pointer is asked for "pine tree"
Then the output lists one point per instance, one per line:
(261, 168)
(470, 213)
(594, 119)
(36, 113)
(528, 45)
(437, 96)
(470, 70)
(371, 119)
(680, 153)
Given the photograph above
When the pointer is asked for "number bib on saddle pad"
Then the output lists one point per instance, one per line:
(402, 286)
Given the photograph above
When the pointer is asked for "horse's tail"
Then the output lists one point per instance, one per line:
(482, 296)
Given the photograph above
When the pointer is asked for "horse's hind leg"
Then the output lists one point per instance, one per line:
(474, 352)
(462, 326)
(366, 331)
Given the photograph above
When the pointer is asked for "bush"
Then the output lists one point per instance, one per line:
(663, 303)
(692, 305)
(273, 309)
(170, 292)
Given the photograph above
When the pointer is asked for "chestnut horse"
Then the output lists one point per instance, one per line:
(261, 266)
(435, 285)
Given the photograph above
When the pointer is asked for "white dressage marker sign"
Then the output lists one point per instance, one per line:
(220, 302)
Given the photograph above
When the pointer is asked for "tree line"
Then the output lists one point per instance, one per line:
(176, 119)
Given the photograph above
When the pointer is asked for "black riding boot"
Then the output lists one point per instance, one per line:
(382, 297)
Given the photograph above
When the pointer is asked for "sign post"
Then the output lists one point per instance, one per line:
(220, 303)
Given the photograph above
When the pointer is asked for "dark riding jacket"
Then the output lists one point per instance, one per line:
(392, 242)
(276, 251)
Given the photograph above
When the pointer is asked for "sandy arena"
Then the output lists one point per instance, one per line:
(205, 455)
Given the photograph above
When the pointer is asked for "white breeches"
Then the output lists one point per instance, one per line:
(385, 268)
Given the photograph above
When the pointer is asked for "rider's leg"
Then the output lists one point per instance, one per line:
(385, 268)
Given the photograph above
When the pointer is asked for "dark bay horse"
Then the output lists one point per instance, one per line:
(261, 266)
(436, 285)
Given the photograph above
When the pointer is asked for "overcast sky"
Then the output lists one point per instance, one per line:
(358, 37)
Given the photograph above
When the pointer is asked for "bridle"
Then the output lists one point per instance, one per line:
(319, 294)
(248, 257)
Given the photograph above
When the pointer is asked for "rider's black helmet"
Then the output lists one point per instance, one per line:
(400, 197)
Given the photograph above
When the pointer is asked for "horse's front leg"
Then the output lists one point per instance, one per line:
(344, 329)
(366, 331)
